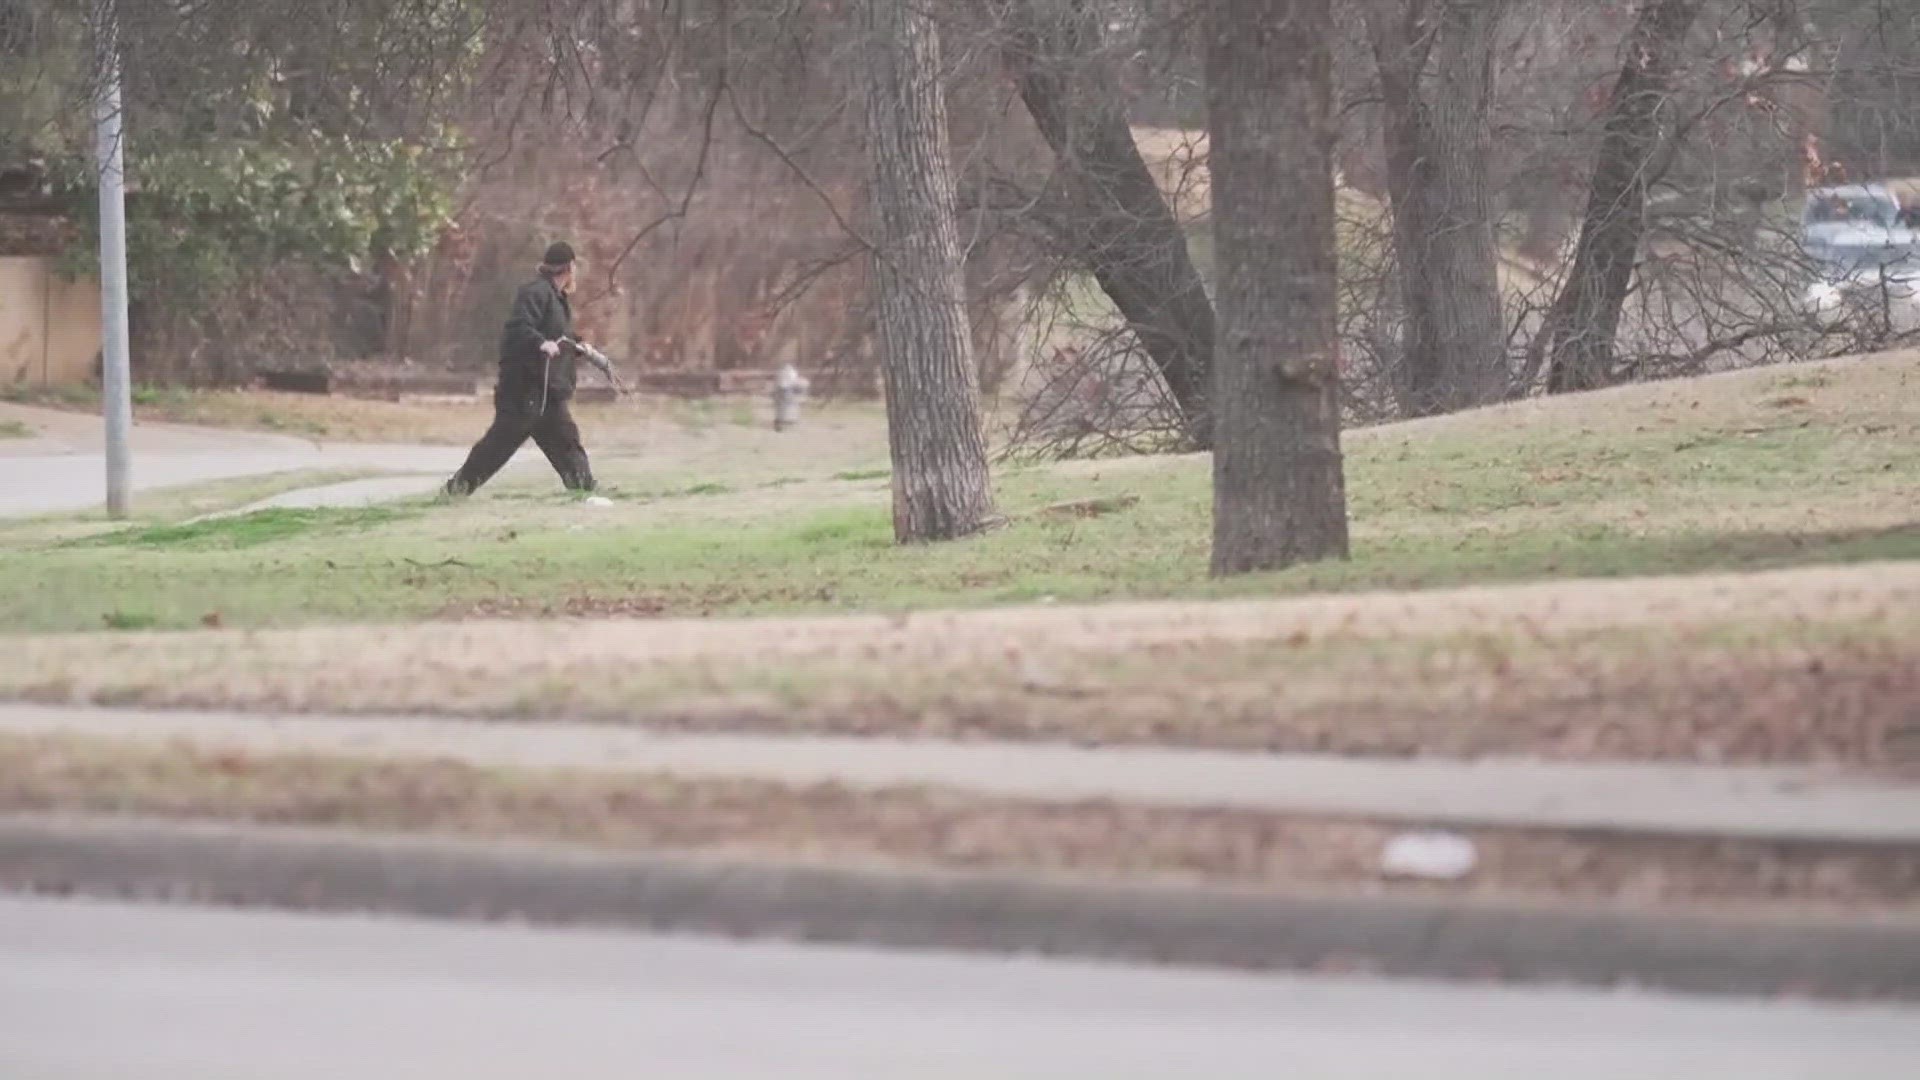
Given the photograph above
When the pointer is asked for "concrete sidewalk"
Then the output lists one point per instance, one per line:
(50, 484)
(351, 493)
(63, 466)
(1789, 804)
(62, 433)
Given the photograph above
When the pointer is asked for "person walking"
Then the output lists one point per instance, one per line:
(538, 354)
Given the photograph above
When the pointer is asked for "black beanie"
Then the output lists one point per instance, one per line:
(560, 254)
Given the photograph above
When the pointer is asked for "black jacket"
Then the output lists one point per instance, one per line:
(541, 312)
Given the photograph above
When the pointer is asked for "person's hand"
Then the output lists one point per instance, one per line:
(550, 349)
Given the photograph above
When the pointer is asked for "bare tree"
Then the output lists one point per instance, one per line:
(941, 488)
(704, 152)
(1577, 339)
(1114, 212)
(1435, 64)
(1279, 487)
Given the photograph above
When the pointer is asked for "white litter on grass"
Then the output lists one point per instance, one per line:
(598, 500)
(1435, 856)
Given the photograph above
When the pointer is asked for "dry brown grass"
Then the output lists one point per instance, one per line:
(1803, 665)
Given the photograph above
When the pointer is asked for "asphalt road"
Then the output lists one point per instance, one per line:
(92, 991)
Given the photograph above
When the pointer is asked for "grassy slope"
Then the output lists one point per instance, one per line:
(1763, 469)
(1809, 664)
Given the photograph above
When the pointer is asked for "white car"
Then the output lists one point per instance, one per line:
(1864, 244)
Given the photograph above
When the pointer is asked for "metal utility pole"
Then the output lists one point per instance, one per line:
(116, 393)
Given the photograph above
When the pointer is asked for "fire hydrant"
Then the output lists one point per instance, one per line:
(789, 389)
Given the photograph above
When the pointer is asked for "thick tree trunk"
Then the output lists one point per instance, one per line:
(941, 487)
(1128, 235)
(1278, 481)
(1578, 336)
(1439, 142)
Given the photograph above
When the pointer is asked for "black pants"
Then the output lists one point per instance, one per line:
(552, 430)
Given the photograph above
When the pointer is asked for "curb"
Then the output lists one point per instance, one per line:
(318, 870)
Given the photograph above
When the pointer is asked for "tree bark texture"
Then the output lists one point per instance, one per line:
(1278, 480)
(941, 487)
(1117, 216)
(1435, 63)
(1577, 338)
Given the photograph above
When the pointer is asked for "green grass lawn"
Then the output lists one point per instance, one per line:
(1763, 469)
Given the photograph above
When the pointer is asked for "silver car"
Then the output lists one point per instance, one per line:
(1864, 243)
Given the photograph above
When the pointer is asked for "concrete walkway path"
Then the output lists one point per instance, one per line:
(61, 432)
(1758, 803)
(368, 492)
(63, 467)
(41, 485)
